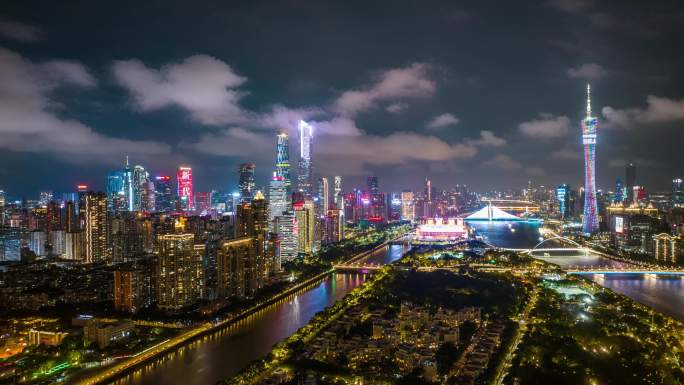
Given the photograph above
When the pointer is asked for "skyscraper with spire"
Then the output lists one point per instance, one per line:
(589, 124)
(305, 172)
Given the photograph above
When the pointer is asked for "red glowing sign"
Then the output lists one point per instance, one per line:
(82, 187)
(184, 177)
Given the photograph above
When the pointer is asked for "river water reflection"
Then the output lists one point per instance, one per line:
(664, 293)
(226, 352)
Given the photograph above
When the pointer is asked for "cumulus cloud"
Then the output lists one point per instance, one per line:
(338, 126)
(658, 110)
(234, 141)
(547, 126)
(503, 162)
(27, 123)
(487, 139)
(390, 85)
(282, 118)
(443, 120)
(202, 85)
(396, 148)
(213, 100)
(397, 107)
(65, 71)
(19, 31)
(588, 71)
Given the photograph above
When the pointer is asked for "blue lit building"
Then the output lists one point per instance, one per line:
(563, 197)
(619, 191)
(116, 193)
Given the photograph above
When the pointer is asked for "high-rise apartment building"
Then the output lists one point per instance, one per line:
(232, 257)
(36, 242)
(677, 192)
(323, 195)
(305, 226)
(95, 227)
(177, 271)
(334, 226)
(284, 226)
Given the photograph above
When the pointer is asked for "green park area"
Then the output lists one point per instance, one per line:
(582, 333)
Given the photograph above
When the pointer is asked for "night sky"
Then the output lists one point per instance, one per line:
(486, 93)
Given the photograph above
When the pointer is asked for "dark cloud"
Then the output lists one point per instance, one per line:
(547, 126)
(29, 124)
(209, 88)
(19, 31)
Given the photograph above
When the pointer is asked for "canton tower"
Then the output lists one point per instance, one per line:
(590, 219)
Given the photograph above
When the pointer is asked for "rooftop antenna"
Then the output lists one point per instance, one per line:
(588, 100)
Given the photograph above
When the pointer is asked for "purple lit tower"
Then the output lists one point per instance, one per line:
(590, 219)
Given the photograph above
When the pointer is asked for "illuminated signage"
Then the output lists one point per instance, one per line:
(619, 225)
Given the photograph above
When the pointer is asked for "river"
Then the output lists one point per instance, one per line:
(224, 353)
(664, 293)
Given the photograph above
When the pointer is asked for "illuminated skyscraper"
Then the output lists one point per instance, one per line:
(94, 212)
(323, 195)
(278, 199)
(630, 182)
(116, 192)
(177, 271)
(246, 183)
(163, 192)
(408, 209)
(334, 226)
(677, 192)
(590, 218)
(305, 226)
(339, 199)
(128, 187)
(305, 176)
(203, 201)
(185, 192)
(619, 191)
(283, 159)
(285, 228)
(563, 197)
(279, 193)
(45, 198)
(140, 179)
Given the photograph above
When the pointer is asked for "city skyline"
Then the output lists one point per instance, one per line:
(433, 111)
(341, 193)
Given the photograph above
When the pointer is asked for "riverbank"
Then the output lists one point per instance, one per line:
(362, 337)
(165, 348)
